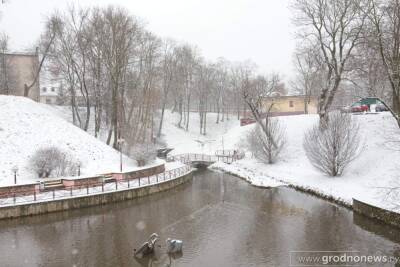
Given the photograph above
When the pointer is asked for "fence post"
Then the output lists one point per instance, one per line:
(157, 177)
(129, 183)
(102, 186)
(148, 179)
(139, 181)
(34, 195)
(70, 191)
(14, 198)
(116, 185)
(87, 189)
(54, 194)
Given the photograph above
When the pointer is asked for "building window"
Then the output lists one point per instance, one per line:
(44, 89)
(53, 89)
(291, 104)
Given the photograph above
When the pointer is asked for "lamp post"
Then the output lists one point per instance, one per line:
(120, 142)
(15, 170)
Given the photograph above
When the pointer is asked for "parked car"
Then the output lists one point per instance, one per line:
(357, 107)
(381, 107)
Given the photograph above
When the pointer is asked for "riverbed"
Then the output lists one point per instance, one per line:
(222, 220)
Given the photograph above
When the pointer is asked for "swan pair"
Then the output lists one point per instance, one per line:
(173, 246)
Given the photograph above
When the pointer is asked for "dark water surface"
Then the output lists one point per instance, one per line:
(222, 220)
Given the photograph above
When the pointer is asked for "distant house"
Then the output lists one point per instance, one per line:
(49, 94)
(290, 105)
(16, 70)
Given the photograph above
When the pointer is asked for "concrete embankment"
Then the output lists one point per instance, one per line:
(36, 208)
(377, 213)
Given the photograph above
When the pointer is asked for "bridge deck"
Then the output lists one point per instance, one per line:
(204, 159)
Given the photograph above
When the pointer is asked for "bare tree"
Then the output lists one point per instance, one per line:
(168, 63)
(331, 148)
(308, 80)
(267, 147)
(143, 153)
(6, 78)
(385, 18)
(336, 28)
(253, 94)
(52, 162)
(369, 77)
(52, 28)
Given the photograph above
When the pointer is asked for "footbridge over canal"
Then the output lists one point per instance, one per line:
(205, 160)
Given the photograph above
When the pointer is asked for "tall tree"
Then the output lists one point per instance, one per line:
(308, 79)
(385, 18)
(336, 28)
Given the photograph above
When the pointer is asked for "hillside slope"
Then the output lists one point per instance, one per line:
(375, 169)
(26, 126)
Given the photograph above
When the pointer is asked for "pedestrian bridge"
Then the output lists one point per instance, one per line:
(205, 160)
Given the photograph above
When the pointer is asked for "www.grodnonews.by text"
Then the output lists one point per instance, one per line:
(338, 258)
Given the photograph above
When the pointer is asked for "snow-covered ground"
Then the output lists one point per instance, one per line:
(173, 170)
(26, 126)
(191, 141)
(365, 179)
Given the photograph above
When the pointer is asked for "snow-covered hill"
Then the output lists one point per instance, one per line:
(26, 126)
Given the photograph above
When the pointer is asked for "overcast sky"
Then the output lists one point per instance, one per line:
(237, 30)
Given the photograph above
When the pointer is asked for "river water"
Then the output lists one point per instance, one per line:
(222, 220)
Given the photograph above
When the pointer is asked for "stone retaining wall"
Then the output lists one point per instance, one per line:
(90, 200)
(370, 211)
(19, 190)
(83, 182)
(140, 173)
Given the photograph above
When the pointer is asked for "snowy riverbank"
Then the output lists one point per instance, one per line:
(365, 179)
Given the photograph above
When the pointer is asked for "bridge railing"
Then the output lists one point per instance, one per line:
(29, 196)
(230, 157)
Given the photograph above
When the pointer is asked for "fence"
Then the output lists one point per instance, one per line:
(29, 196)
(226, 156)
(110, 185)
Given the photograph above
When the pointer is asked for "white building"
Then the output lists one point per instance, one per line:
(49, 94)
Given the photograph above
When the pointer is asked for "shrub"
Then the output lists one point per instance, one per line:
(52, 162)
(267, 143)
(330, 147)
(143, 153)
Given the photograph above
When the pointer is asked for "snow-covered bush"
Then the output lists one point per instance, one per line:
(332, 146)
(143, 153)
(267, 144)
(52, 162)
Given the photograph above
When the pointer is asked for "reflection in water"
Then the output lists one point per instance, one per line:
(222, 220)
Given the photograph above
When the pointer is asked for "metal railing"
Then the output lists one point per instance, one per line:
(113, 185)
(29, 196)
(228, 156)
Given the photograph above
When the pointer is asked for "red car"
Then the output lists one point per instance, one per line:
(359, 108)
